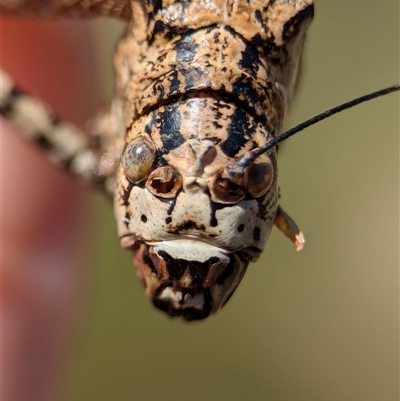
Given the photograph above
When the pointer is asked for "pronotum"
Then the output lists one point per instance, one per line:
(200, 86)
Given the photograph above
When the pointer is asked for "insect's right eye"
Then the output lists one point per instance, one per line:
(138, 159)
(259, 176)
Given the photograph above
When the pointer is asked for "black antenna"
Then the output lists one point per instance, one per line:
(246, 160)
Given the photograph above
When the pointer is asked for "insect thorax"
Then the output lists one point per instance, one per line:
(202, 83)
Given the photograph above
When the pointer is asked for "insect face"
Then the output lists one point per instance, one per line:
(193, 223)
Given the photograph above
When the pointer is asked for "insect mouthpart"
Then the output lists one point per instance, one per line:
(188, 278)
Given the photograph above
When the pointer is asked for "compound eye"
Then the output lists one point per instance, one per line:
(138, 159)
(259, 176)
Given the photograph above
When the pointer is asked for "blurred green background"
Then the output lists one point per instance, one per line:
(321, 324)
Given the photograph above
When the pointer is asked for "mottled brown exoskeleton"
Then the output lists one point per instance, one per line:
(200, 85)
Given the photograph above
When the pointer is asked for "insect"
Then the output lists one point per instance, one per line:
(201, 86)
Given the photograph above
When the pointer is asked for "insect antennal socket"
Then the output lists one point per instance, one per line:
(227, 186)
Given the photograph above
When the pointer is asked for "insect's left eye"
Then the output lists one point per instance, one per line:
(138, 159)
(259, 176)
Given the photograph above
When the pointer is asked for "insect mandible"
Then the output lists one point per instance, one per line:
(201, 85)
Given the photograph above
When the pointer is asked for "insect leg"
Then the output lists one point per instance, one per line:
(66, 145)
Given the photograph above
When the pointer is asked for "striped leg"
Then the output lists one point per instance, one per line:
(66, 145)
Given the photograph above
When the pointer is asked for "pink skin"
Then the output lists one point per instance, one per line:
(42, 212)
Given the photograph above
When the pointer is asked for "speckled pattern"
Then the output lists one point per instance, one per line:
(199, 84)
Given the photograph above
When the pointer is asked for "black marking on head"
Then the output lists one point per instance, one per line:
(172, 203)
(248, 254)
(159, 91)
(239, 127)
(213, 27)
(170, 126)
(192, 76)
(147, 128)
(174, 85)
(126, 193)
(256, 40)
(214, 208)
(240, 227)
(266, 46)
(143, 218)
(250, 61)
(293, 25)
(186, 49)
(216, 125)
(214, 140)
(219, 104)
(259, 17)
(262, 207)
(256, 234)
(198, 270)
(148, 261)
(155, 5)
(168, 220)
(244, 88)
(175, 267)
(160, 28)
(187, 225)
(159, 160)
(250, 106)
(168, 30)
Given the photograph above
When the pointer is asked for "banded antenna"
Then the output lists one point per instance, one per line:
(245, 160)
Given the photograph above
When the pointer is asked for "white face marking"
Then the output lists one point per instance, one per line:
(168, 295)
(191, 250)
(175, 299)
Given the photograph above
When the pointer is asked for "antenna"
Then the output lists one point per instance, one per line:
(245, 160)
